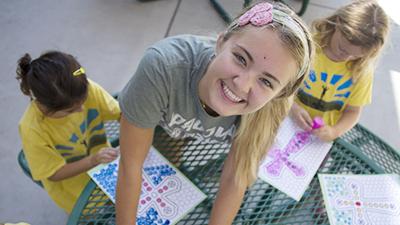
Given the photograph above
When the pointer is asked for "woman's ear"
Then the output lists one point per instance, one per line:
(220, 42)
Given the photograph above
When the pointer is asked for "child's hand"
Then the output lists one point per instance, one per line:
(325, 133)
(105, 155)
(301, 117)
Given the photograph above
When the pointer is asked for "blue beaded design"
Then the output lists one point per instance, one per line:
(152, 218)
(107, 179)
(157, 173)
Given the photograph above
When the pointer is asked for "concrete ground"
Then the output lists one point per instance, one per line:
(109, 37)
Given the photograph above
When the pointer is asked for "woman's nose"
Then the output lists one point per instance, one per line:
(243, 83)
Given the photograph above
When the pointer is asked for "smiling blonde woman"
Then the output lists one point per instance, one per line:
(234, 89)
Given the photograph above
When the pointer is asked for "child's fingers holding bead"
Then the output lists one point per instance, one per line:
(304, 122)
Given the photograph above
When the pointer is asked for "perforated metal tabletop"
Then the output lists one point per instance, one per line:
(357, 152)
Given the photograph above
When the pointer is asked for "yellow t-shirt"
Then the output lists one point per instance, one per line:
(50, 143)
(329, 88)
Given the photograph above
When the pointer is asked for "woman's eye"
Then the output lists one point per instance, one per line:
(240, 59)
(266, 82)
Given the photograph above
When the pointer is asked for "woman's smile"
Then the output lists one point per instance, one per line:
(230, 95)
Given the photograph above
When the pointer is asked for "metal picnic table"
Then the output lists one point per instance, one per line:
(358, 152)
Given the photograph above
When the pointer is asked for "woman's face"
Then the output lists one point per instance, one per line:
(340, 49)
(249, 69)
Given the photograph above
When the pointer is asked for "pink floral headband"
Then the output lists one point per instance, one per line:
(263, 13)
(258, 15)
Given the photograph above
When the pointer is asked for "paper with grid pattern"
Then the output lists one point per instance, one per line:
(361, 199)
(293, 160)
(166, 195)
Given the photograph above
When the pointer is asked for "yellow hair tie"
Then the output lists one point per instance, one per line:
(78, 72)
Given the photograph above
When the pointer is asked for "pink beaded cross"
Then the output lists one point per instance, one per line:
(157, 196)
(296, 144)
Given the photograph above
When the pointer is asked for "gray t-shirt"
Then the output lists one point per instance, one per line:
(164, 91)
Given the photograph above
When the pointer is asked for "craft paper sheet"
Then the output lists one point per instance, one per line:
(293, 160)
(167, 195)
(361, 199)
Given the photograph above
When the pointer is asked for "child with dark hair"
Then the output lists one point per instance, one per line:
(62, 129)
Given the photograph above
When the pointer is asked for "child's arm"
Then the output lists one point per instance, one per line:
(229, 196)
(69, 170)
(348, 120)
(135, 143)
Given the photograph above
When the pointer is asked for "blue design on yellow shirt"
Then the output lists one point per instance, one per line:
(337, 87)
(89, 143)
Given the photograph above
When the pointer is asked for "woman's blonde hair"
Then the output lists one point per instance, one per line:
(257, 130)
(363, 23)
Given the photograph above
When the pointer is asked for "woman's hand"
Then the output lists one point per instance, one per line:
(301, 117)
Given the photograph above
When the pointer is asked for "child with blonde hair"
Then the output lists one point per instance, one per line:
(235, 89)
(340, 81)
(62, 129)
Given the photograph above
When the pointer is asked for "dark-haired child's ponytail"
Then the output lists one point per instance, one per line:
(24, 66)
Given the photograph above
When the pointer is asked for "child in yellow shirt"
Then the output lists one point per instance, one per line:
(62, 129)
(340, 80)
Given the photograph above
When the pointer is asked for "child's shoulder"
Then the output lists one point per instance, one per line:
(97, 95)
(366, 78)
(95, 89)
(93, 86)
(32, 124)
(31, 116)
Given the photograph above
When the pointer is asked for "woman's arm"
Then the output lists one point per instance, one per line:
(69, 170)
(135, 143)
(348, 120)
(229, 196)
